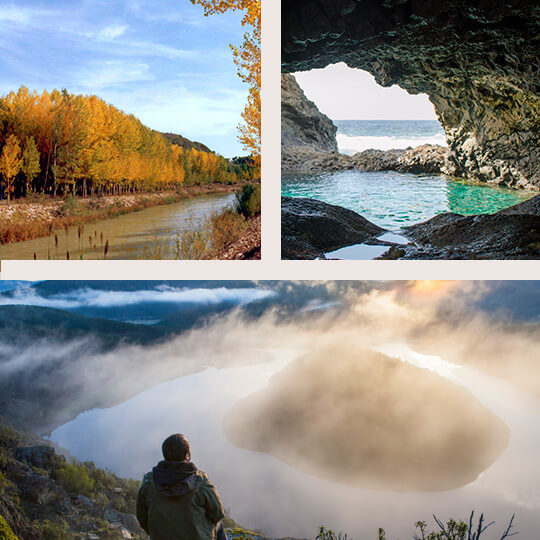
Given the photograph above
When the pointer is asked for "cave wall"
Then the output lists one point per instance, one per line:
(478, 61)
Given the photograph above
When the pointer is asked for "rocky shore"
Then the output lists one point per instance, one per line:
(311, 228)
(425, 159)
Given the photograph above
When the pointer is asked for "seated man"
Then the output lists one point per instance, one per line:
(176, 501)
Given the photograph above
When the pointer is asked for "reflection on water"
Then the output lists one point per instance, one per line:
(393, 200)
(127, 439)
(131, 236)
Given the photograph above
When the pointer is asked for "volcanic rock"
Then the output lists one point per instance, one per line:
(478, 61)
(309, 228)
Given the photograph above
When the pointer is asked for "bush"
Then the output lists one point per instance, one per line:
(248, 201)
(75, 479)
(5, 531)
(54, 530)
(70, 206)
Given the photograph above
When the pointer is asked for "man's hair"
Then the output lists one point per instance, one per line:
(176, 448)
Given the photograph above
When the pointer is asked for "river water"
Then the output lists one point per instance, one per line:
(262, 492)
(138, 235)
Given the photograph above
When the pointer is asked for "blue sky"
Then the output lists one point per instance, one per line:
(161, 60)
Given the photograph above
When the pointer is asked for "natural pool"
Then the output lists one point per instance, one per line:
(393, 200)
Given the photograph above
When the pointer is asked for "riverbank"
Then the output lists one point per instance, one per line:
(23, 220)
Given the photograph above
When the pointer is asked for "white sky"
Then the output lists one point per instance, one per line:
(344, 93)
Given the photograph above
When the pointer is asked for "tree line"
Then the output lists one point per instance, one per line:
(58, 143)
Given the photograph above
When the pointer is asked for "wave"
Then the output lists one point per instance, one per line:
(351, 145)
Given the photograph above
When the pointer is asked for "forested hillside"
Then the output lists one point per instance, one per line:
(57, 142)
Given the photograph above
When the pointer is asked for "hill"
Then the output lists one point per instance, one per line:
(185, 143)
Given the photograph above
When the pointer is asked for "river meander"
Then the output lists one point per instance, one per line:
(263, 492)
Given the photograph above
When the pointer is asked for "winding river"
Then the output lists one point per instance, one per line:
(145, 234)
(262, 492)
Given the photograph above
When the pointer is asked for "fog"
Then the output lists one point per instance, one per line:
(475, 421)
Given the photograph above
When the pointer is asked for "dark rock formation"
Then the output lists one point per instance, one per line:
(422, 159)
(302, 124)
(477, 60)
(309, 228)
(312, 228)
(513, 233)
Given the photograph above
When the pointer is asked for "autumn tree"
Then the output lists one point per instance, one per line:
(85, 145)
(10, 163)
(30, 161)
(247, 57)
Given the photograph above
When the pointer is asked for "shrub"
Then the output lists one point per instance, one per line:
(54, 530)
(5, 531)
(70, 206)
(75, 479)
(248, 201)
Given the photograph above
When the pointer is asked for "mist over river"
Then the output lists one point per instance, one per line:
(262, 492)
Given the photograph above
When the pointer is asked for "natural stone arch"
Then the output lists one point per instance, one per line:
(478, 61)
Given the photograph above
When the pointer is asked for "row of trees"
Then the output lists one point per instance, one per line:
(57, 142)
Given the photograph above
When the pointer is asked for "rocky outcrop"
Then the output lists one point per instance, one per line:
(309, 228)
(477, 61)
(312, 228)
(513, 233)
(422, 159)
(302, 124)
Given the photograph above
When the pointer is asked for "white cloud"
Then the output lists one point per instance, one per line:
(15, 14)
(111, 32)
(88, 297)
(113, 72)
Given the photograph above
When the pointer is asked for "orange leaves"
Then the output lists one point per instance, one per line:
(247, 57)
(10, 162)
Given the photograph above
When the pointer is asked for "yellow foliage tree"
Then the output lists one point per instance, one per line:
(247, 57)
(10, 163)
(30, 161)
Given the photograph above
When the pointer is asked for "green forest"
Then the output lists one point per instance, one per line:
(58, 143)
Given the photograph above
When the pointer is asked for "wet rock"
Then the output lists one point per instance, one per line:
(479, 63)
(302, 124)
(513, 233)
(309, 228)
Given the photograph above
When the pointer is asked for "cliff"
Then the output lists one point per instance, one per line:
(302, 124)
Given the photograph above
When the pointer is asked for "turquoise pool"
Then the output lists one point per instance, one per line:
(393, 200)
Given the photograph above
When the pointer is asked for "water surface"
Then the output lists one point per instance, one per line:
(131, 236)
(393, 200)
(265, 493)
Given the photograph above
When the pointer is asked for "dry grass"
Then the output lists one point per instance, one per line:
(21, 221)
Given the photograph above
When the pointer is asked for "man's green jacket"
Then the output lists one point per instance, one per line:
(176, 501)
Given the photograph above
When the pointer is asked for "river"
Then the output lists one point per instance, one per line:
(262, 492)
(138, 235)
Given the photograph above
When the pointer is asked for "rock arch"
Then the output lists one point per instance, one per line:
(478, 61)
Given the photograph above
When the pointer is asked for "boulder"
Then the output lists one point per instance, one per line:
(309, 228)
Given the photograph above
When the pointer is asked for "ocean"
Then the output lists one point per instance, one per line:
(358, 135)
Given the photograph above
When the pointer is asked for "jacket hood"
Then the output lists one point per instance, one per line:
(175, 478)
